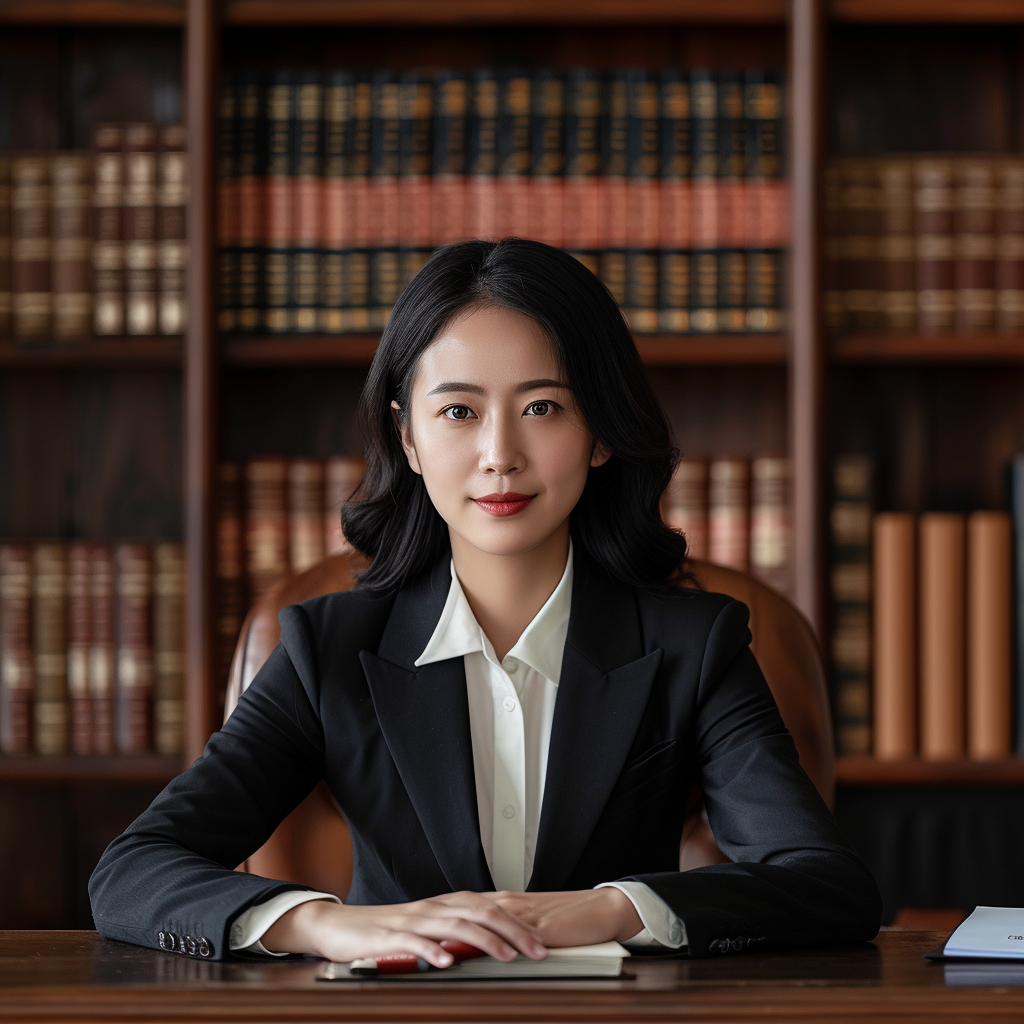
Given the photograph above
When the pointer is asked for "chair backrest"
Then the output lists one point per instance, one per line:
(313, 846)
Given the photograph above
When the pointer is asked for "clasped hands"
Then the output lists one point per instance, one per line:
(502, 924)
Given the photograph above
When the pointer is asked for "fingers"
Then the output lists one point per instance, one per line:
(421, 946)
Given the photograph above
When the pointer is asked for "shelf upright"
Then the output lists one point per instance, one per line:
(200, 418)
(806, 362)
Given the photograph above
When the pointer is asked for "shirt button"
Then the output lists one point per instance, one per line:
(675, 932)
(508, 812)
(508, 704)
(509, 665)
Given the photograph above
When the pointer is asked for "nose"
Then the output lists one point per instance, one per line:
(500, 451)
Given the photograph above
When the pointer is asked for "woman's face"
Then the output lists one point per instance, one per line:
(496, 434)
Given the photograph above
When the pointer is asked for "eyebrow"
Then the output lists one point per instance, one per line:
(474, 389)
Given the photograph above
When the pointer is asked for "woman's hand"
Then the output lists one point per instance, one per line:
(344, 933)
(573, 918)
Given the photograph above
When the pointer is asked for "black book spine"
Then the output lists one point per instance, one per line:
(279, 306)
(482, 156)
(547, 157)
(448, 184)
(643, 160)
(584, 220)
(385, 275)
(614, 135)
(357, 257)
(704, 226)
(764, 201)
(514, 152)
(415, 145)
(308, 107)
(337, 215)
(227, 203)
(251, 168)
(676, 158)
(732, 263)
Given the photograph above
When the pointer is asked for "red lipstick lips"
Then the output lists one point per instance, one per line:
(507, 504)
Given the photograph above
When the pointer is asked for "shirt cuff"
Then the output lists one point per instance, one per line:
(253, 923)
(661, 927)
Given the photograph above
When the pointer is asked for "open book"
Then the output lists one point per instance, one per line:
(990, 932)
(603, 960)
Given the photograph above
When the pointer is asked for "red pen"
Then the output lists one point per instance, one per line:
(402, 963)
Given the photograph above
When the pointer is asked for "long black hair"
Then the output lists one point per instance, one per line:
(617, 521)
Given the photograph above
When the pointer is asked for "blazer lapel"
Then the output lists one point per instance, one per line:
(603, 691)
(424, 716)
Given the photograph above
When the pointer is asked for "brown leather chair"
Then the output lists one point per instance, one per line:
(312, 845)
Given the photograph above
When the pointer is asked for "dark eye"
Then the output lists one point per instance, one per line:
(458, 412)
(540, 408)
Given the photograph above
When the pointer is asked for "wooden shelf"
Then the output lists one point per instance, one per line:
(92, 353)
(358, 349)
(912, 348)
(712, 349)
(951, 12)
(148, 768)
(453, 12)
(863, 771)
(92, 12)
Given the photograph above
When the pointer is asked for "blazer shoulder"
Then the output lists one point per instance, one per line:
(685, 619)
(333, 627)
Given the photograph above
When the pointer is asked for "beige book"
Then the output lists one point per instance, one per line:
(941, 634)
(989, 634)
(895, 632)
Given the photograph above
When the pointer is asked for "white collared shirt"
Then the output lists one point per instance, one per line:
(511, 708)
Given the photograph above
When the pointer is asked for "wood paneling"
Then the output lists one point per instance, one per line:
(93, 12)
(94, 454)
(391, 12)
(51, 837)
(956, 12)
(113, 353)
(855, 770)
(807, 364)
(912, 348)
(358, 349)
(202, 85)
(122, 768)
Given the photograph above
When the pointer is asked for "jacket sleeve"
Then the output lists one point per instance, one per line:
(794, 880)
(169, 881)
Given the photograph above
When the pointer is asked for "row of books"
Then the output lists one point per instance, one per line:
(927, 245)
(91, 648)
(275, 516)
(923, 628)
(735, 513)
(94, 243)
(336, 186)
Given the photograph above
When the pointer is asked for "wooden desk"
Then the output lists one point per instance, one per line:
(79, 977)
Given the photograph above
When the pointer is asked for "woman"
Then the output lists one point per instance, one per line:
(512, 707)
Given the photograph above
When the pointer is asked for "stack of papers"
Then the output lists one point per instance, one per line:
(990, 932)
(603, 960)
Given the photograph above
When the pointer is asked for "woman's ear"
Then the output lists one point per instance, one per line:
(405, 436)
(600, 455)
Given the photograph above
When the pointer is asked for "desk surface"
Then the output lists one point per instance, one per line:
(78, 977)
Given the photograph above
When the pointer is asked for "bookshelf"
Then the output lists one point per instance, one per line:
(806, 383)
(358, 349)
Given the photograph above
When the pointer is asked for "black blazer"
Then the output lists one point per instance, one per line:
(657, 691)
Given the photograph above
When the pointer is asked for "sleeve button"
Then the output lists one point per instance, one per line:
(204, 946)
(738, 944)
(161, 939)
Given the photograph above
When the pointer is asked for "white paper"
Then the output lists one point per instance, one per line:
(990, 931)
